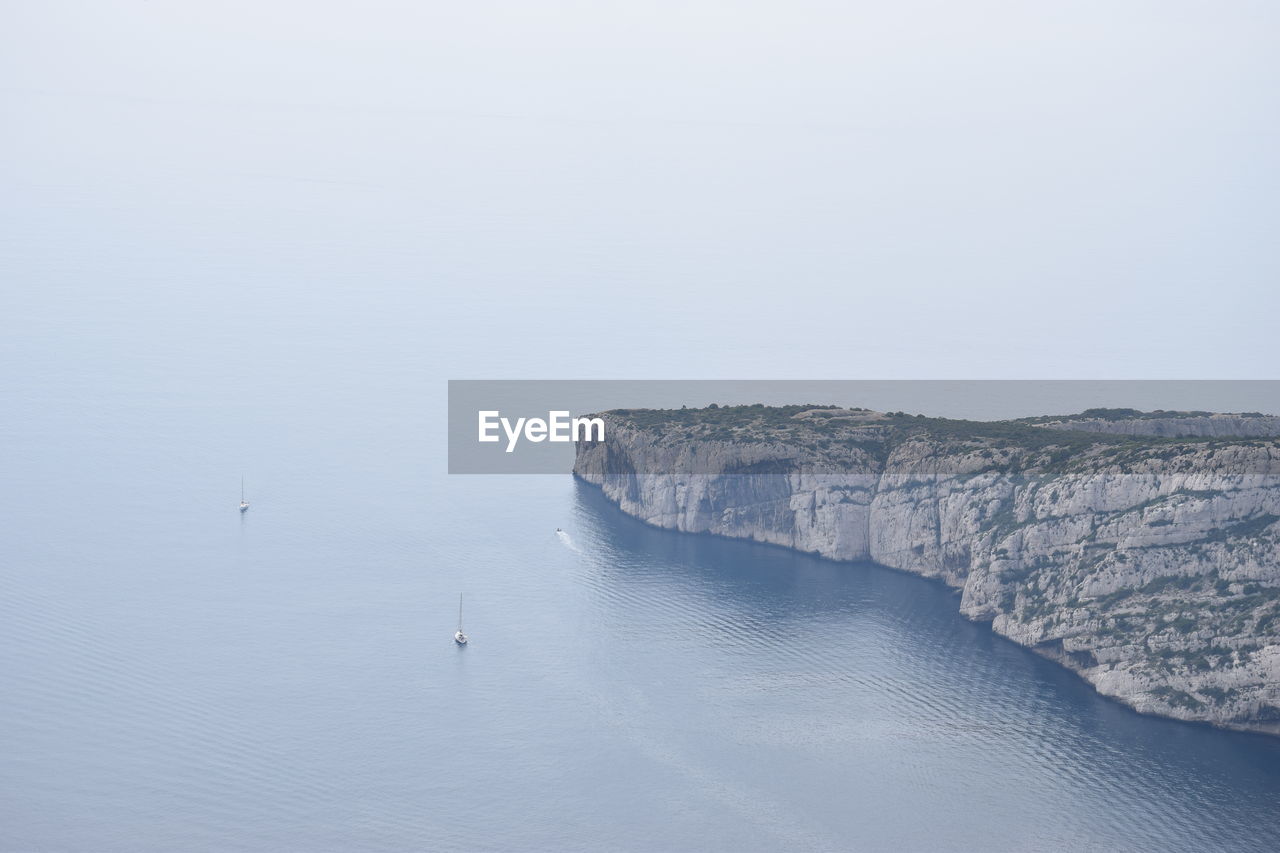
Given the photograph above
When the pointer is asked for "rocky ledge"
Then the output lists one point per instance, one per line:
(1141, 550)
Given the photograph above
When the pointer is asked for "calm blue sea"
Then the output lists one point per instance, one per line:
(177, 676)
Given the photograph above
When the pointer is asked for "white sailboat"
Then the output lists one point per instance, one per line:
(459, 637)
(244, 504)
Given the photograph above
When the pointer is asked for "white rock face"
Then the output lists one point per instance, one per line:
(1177, 426)
(1151, 570)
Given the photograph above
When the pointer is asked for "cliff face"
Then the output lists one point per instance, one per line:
(1150, 567)
(1168, 424)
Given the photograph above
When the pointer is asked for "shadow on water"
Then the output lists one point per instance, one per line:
(903, 667)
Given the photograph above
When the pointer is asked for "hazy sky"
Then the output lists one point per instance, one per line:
(691, 189)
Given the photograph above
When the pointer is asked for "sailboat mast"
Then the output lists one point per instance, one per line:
(459, 637)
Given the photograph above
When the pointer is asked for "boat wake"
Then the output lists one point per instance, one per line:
(567, 540)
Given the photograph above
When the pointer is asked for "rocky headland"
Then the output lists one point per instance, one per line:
(1141, 550)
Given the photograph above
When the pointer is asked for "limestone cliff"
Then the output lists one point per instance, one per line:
(1149, 565)
(1167, 424)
